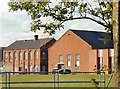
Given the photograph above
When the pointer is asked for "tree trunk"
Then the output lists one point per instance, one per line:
(116, 38)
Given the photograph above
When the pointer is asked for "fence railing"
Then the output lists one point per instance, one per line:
(53, 79)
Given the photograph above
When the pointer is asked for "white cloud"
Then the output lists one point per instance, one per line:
(26, 26)
(8, 22)
(14, 26)
(86, 25)
(4, 6)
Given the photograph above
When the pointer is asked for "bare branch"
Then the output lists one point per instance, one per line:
(101, 23)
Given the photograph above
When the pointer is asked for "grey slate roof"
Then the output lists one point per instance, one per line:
(26, 44)
(93, 38)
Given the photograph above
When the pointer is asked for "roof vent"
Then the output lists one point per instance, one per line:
(35, 37)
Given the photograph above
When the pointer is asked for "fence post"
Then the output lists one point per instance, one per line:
(6, 79)
(9, 80)
(100, 78)
(58, 80)
(54, 80)
(104, 81)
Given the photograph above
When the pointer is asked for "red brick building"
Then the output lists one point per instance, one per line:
(81, 51)
(27, 55)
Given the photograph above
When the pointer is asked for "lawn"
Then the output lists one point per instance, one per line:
(51, 77)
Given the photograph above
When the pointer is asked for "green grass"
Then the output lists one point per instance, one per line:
(50, 77)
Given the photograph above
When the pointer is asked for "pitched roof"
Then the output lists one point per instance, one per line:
(25, 44)
(93, 38)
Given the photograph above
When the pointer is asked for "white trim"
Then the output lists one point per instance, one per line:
(100, 53)
(111, 52)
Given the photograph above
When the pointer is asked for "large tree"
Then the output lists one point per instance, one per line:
(116, 38)
(99, 11)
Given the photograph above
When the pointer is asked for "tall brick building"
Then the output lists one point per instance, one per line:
(81, 51)
(27, 55)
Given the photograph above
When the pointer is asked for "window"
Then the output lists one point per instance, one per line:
(31, 68)
(60, 58)
(100, 63)
(6, 55)
(111, 64)
(16, 56)
(21, 55)
(26, 55)
(11, 55)
(31, 55)
(44, 55)
(100, 59)
(68, 61)
(77, 65)
(36, 54)
(111, 60)
(36, 68)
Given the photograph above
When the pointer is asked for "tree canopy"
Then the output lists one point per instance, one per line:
(99, 11)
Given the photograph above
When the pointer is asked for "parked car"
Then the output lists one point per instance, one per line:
(62, 71)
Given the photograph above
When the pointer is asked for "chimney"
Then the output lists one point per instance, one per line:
(35, 37)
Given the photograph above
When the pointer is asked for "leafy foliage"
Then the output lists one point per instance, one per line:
(99, 11)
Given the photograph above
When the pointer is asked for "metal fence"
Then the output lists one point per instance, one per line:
(52, 80)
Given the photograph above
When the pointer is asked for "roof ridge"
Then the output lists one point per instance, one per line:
(86, 30)
(33, 39)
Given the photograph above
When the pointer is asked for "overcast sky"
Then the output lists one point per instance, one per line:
(15, 25)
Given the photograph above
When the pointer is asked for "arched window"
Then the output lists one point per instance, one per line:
(11, 55)
(16, 55)
(77, 65)
(31, 55)
(36, 68)
(26, 55)
(6, 55)
(44, 55)
(21, 55)
(36, 54)
(31, 68)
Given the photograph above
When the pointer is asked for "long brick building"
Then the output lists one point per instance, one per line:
(77, 50)
(27, 55)
(81, 51)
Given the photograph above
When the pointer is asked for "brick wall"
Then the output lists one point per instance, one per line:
(69, 43)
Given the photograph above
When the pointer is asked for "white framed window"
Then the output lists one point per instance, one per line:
(111, 63)
(60, 58)
(6, 56)
(100, 62)
(31, 55)
(16, 55)
(36, 54)
(100, 59)
(31, 68)
(77, 65)
(111, 60)
(111, 52)
(11, 55)
(68, 61)
(36, 68)
(21, 55)
(26, 55)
